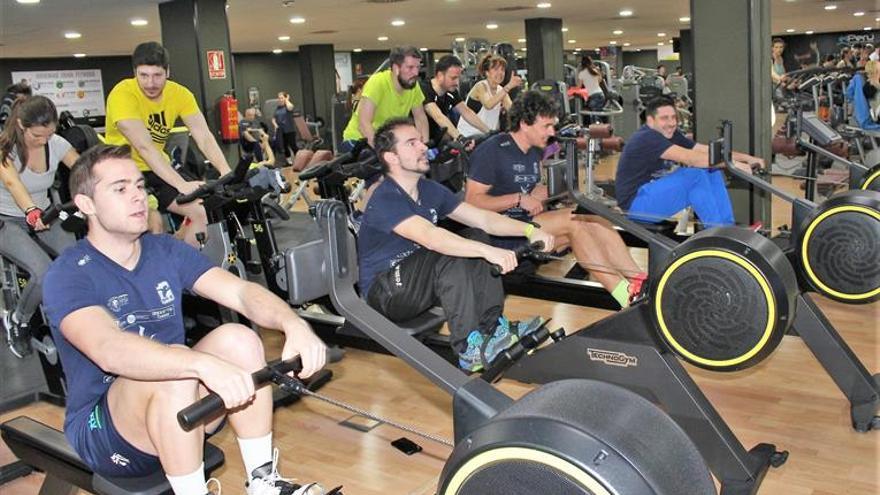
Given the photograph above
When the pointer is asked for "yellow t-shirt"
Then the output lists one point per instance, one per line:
(127, 101)
(388, 102)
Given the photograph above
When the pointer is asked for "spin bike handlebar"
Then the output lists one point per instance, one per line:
(53, 212)
(205, 190)
(521, 252)
(216, 186)
(212, 405)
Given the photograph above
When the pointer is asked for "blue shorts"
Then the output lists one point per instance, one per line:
(104, 450)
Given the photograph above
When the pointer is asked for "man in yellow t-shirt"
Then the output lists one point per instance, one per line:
(141, 112)
(394, 92)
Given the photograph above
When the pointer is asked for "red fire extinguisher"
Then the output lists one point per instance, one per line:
(228, 118)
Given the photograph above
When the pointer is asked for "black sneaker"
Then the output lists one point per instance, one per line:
(18, 336)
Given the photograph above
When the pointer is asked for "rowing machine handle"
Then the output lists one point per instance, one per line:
(520, 252)
(212, 405)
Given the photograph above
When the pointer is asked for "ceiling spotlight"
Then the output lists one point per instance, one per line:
(76, 55)
(661, 35)
(521, 40)
(564, 30)
(491, 25)
(139, 22)
(72, 35)
(28, 2)
(660, 44)
(617, 32)
(627, 44)
(831, 7)
(858, 14)
(284, 38)
(789, 30)
(612, 42)
(625, 13)
(297, 20)
(544, 5)
(808, 32)
(276, 51)
(572, 41)
(358, 50)
(398, 22)
(459, 39)
(684, 19)
(423, 49)
(523, 48)
(867, 28)
(382, 38)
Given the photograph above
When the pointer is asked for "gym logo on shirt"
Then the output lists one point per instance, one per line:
(164, 291)
(116, 303)
(95, 419)
(119, 459)
(82, 261)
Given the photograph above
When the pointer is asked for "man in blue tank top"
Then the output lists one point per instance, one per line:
(114, 306)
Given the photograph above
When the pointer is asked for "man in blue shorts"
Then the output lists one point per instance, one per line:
(505, 176)
(409, 264)
(648, 187)
(114, 307)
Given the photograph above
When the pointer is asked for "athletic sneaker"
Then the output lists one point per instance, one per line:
(265, 480)
(481, 351)
(216, 490)
(18, 335)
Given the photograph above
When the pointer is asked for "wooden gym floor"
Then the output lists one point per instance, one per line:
(787, 400)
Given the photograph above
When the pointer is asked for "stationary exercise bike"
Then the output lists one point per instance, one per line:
(569, 437)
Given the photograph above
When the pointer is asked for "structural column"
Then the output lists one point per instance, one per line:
(544, 43)
(318, 72)
(731, 47)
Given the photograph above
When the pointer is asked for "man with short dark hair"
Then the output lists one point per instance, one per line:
(408, 264)
(394, 92)
(649, 186)
(114, 307)
(505, 176)
(442, 97)
(141, 111)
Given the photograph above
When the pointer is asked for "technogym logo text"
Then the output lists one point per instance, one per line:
(612, 358)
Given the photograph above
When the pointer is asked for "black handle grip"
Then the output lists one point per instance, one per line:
(205, 189)
(276, 209)
(55, 210)
(212, 405)
(324, 168)
(520, 252)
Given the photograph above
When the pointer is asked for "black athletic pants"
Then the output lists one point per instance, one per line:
(464, 287)
(288, 144)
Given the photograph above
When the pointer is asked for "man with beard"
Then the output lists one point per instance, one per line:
(141, 112)
(442, 96)
(394, 92)
(505, 176)
(409, 264)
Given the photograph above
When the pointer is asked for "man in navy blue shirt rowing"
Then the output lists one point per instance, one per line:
(505, 176)
(650, 187)
(114, 307)
(409, 264)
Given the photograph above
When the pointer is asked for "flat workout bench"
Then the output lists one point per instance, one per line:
(46, 449)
